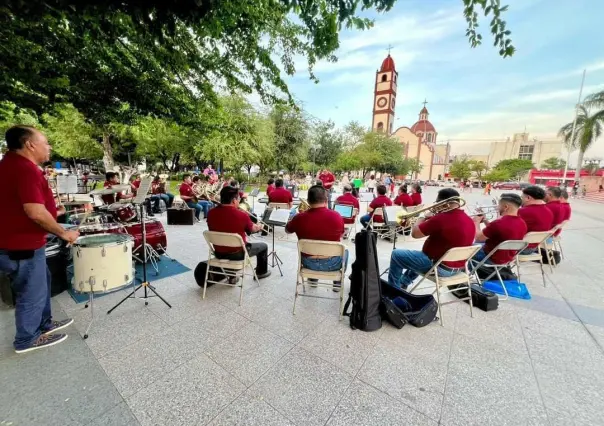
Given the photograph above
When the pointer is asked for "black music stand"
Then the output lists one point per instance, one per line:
(275, 259)
(389, 213)
(254, 194)
(140, 201)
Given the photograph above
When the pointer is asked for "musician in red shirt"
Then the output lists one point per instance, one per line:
(416, 194)
(28, 213)
(227, 217)
(565, 205)
(536, 215)
(378, 202)
(112, 179)
(453, 228)
(328, 180)
(552, 202)
(280, 194)
(403, 199)
(159, 190)
(270, 187)
(188, 196)
(509, 226)
(350, 200)
(319, 223)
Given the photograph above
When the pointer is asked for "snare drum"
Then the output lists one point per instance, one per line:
(102, 228)
(122, 212)
(91, 219)
(102, 263)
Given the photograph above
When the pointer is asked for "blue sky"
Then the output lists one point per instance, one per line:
(472, 94)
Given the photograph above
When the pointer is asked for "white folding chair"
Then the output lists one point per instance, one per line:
(557, 240)
(351, 228)
(513, 245)
(228, 268)
(540, 239)
(461, 279)
(381, 228)
(323, 249)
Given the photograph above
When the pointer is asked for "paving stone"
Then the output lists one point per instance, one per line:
(250, 410)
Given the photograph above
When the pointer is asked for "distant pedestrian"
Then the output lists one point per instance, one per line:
(584, 191)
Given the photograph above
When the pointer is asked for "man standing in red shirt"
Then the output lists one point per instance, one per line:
(536, 215)
(445, 231)
(28, 214)
(509, 226)
(328, 179)
(403, 199)
(349, 200)
(378, 202)
(319, 223)
(227, 217)
(280, 194)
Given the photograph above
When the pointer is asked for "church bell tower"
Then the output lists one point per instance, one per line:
(384, 99)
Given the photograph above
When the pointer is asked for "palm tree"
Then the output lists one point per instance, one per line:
(589, 127)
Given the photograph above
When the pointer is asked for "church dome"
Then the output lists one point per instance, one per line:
(387, 64)
(423, 126)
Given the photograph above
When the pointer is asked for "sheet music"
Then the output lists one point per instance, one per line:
(67, 184)
(279, 216)
(366, 196)
(390, 213)
(254, 192)
(143, 190)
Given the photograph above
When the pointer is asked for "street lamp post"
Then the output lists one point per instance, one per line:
(572, 134)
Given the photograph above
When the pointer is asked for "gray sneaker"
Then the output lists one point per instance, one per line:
(43, 341)
(58, 325)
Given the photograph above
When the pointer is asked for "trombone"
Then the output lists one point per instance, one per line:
(436, 208)
(246, 208)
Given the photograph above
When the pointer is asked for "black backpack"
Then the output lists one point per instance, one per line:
(365, 291)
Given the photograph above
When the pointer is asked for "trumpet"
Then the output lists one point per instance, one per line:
(488, 211)
(436, 208)
(304, 206)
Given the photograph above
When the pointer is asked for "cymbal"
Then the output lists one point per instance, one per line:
(108, 191)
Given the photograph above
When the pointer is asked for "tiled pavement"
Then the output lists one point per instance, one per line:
(212, 362)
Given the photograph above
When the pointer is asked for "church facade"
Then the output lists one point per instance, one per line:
(419, 140)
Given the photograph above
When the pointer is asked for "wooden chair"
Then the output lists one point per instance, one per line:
(228, 268)
(461, 279)
(326, 249)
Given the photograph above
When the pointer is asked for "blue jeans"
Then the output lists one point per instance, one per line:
(30, 282)
(168, 199)
(202, 205)
(365, 220)
(479, 256)
(328, 264)
(405, 265)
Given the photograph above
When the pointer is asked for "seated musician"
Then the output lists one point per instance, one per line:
(270, 187)
(403, 199)
(156, 190)
(534, 212)
(188, 196)
(242, 195)
(446, 230)
(348, 199)
(416, 194)
(553, 203)
(509, 226)
(565, 205)
(319, 223)
(380, 201)
(112, 179)
(135, 183)
(281, 195)
(227, 217)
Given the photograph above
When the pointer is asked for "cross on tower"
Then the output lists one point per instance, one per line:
(425, 102)
(389, 48)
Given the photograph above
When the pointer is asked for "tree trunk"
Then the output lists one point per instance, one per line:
(107, 153)
(579, 166)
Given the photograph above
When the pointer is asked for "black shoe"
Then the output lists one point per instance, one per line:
(263, 275)
(337, 286)
(43, 341)
(58, 325)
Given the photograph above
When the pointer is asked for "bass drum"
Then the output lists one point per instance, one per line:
(156, 234)
(122, 212)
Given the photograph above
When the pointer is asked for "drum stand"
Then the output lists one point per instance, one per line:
(275, 260)
(145, 284)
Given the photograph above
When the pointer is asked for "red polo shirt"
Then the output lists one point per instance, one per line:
(503, 229)
(317, 224)
(186, 190)
(155, 188)
(280, 195)
(270, 188)
(379, 202)
(22, 182)
(557, 210)
(229, 219)
(446, 231)
(109, 198)
(538, 218)
(416, 197)
(349, 200)
(403, 200)
(328, 179)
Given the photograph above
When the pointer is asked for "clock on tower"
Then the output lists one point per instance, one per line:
(384, 97)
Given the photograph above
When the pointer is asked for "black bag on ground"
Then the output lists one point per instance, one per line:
(482, 299)
(365, 290)
(506, 274)
(557, 257)
(200, 274)
(400, 307)
(181, 216)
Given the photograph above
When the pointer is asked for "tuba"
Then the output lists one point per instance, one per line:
(304, 206)
(436, 208)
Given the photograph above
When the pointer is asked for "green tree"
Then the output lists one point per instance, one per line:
(461, 168)
(497, 175)
(348, 162)
(158, 139)
(415, 166)
(70, 135)
(515, 167)
(291, 137)
(11, 115)
(553, 163)
(329, 143)
(478, 168)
